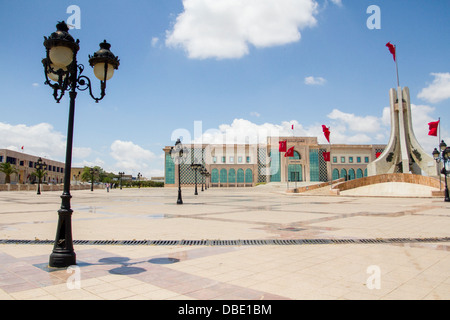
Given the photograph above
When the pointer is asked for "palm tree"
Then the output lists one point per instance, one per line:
(8, 170)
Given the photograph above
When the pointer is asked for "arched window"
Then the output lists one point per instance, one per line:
(297, 155)
(214, 176)
(359, 174)
(275, 167)
(232, 176)
(248, 176)
(343, 173)
(351, 174)
(335, 174)
(365, 173)
(240, 176)
(223, 176)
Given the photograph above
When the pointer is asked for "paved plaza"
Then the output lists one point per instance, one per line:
(227, 244)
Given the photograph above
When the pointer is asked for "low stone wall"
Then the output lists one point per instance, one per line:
(314, 186)
(391, 177)
(44, 187)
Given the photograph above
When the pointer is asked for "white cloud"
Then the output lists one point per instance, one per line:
(255, 114)
(224, 29)
(132, 158)
(337, 2)
(439, 90)
(155, 41)
(356, 123)
(315, 81)
(346, 128)
(40, 140)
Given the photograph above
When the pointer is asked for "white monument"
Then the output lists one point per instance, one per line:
(403, 154)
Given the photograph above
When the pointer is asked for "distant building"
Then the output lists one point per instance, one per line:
(26, 165)
(245, 165)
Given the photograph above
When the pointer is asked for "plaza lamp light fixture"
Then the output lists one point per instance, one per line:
(443, 156)
(63, 73)
(40, 168)
(92, 171)
(139, 175)
(203, 173)
(177, 154)
(196, 167)
(121, 174)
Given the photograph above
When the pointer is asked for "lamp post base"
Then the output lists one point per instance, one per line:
(62, 259)
(179, 200)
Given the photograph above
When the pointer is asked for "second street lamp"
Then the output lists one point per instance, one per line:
(63, 73)
(40, 171)
(92, 171)
(443, 156)
(177, 156)
(120, 181)
(196, 166)
(139, 175)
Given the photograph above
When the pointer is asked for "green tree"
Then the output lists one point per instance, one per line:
(8, 170)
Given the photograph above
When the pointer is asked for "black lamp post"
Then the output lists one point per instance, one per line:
(196, 166)
(92, 171)
(139, 175)
(202, 173)
(207, 179)
(63, 73)
(120, 181)
(443, 156)
(40, 168)
(177, 155)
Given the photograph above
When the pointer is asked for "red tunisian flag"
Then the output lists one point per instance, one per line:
(392, 50)
(326, 132)
(433, 128)
(283, 146)
(327, 156)
(289, 153)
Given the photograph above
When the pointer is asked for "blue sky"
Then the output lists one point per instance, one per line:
(235, 66)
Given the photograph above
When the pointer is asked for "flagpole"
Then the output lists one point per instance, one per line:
(396, 66)
(439, 148)
(331, 170)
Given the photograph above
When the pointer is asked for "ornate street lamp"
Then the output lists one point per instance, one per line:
(120, 181)
(92, 171)
(207, 179)
(40, 168)
(443, 156)
(203, 172)
(139, 175)
(177, 156)
(63, 73)
(196, 166)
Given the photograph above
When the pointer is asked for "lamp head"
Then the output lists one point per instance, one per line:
(104, 62)
(61, 47)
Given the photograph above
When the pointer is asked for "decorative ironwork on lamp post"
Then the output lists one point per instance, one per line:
(444, 156)
(63, 73)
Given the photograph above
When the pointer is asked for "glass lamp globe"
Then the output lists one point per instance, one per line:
(54, 76)
(61, 56)
(99, 71)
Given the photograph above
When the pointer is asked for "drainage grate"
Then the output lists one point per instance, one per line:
(262, 242)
